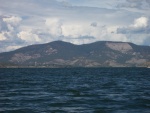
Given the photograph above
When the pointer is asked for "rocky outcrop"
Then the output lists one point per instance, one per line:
(121, 47)
(20, 57)
(49, 50)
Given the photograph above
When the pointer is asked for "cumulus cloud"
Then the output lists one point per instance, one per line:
(76, 30)
(28, 37)
(9, 27)
(12, 20)
(54, 26)
(140, 26)
(86, 32)
(141, 22)
(80, 32)
(9, 24)
(2, 36)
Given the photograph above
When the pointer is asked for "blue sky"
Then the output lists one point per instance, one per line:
(27, 22)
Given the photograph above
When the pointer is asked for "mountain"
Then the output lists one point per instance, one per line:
(64, 54)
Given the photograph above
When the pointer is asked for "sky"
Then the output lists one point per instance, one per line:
(27, 22)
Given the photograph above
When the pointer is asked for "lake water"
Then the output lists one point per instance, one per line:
(75, 90)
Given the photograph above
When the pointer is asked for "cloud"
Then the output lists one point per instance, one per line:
(140, 26)
(9, 27)
(76, 29)
(12, 20)
(9, 24)
(28, 37)
(141, 22)
(92, 3)
(2, 36)
(81, 32)
(138, 4)
(54, 26)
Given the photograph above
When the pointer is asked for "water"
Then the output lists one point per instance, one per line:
(79, 90)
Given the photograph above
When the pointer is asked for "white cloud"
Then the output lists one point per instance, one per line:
(2, 36)
(141, 22)
(76, 29)
(81, 32)
(13, 20)
(28, 37)
(140, 26)
(54, 26)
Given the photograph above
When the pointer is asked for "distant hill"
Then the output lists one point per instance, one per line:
(64, 54)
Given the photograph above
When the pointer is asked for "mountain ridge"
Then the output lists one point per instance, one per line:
(65, 54)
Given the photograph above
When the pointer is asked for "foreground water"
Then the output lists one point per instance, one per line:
(97, 90)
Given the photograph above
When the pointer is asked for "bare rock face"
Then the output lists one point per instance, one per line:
(20, 57)
(121, 47)
(50, 51)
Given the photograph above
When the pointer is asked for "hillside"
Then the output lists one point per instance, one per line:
(64, 54)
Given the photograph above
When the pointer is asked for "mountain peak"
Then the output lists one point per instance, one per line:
(59, 42)
(61, 54)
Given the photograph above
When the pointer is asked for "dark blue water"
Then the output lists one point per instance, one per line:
(97, 90)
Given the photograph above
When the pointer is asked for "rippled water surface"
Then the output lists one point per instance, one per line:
(79, 90)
